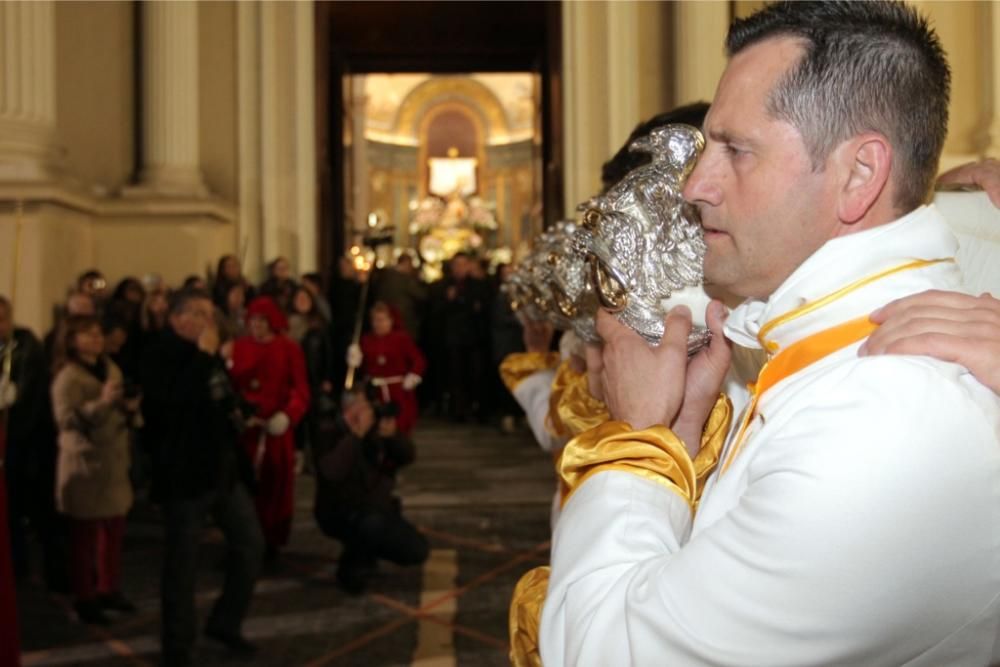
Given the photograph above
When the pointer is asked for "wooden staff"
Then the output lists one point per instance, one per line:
(359, 319)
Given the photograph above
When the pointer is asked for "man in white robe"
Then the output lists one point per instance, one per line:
(854, 517)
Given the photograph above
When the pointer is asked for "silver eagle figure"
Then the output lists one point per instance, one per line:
(646, 242)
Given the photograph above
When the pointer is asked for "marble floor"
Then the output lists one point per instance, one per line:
(481, 497)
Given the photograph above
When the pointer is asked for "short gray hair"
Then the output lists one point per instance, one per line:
(868, 66)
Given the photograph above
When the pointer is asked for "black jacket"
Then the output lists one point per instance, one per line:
(355, 475)
(189, 406)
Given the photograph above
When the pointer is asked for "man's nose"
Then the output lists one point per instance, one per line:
(700, 187)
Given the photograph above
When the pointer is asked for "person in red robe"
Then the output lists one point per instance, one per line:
(268, 370)
(393, 362)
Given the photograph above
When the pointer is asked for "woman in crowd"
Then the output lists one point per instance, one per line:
(228, 273)
(311, 330)
(269, 372)
(279, 284)
(153, 317)
(92, 472)
(393, 362)
(232, 305)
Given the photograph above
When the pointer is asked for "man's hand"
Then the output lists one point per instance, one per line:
(641, 384)
(537, 335)
(984, 174)
(706, 372)
(946, 325)
(208, 341)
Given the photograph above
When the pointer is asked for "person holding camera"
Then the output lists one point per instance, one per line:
(92, 472)
(193, 420)
(356, 459)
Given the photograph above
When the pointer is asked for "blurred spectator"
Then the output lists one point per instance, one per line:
(29, 462)
(400, 288)
(312, 332)
(356, 459)
(344, 294)
(232, 305)
(93, 284)
(194, 418)
(314, 283)
(77, 303)
(279, 284)
(229, 273)
(269, 372)
(391, 360)
(153, 318)
(464, 314)
(194, 282)
(125, 309)
(92, 482)
(506, 338)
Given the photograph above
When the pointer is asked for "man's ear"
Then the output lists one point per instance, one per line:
(865, 161)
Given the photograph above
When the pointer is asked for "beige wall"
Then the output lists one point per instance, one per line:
(217, 97)
(94, 91)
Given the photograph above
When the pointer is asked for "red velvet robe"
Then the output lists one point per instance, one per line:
(272, 376)
(394, 355)
(10, 653)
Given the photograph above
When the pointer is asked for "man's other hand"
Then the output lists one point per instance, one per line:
(946, 325)
(642, 384)
(984, 174)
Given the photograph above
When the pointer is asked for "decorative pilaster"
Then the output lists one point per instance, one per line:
(699, 37)
(171, 157)
(27, 91)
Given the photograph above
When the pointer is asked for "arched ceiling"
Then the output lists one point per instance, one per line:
(396, 103)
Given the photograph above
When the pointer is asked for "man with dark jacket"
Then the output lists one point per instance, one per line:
(356, 459)
(192, 422)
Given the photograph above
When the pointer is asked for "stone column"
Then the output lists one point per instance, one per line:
(699, 37)
(27, 91)
(170, 148)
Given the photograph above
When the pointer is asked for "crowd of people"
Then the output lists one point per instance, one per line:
(207, 400)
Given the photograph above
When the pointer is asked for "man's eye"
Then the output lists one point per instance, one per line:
(732, 150)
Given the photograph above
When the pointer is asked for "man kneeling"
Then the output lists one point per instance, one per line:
(356, 457)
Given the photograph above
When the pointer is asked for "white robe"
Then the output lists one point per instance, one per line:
(859, 525)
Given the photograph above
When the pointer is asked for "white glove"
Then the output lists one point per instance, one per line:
(278, 424)
(8, 393)
(411, 381)
(354, 356)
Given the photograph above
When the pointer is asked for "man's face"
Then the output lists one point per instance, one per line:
(193, 319)
(763, 207)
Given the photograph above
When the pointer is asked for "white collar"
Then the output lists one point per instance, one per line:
(920, 235)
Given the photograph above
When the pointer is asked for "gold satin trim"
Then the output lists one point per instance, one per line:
(525, 616)
(654, 453)
(713, 438)
(793, 359)
(572, 409)
(516, 367)
(843, 291)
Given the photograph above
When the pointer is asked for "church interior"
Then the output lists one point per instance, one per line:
(146, 140)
